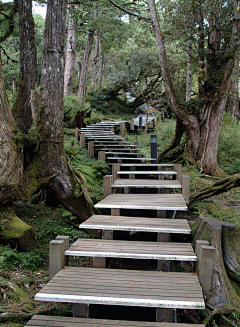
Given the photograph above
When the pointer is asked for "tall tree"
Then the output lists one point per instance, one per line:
(70, 55)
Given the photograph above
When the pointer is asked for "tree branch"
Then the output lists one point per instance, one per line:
(129, 12)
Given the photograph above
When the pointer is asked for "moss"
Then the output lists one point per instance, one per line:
(16, 232)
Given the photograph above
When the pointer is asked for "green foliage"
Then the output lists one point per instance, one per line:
(99, 100)
(93, 170)
(229, 150)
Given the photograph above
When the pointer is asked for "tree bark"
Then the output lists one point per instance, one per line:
(50, 161)
(100, 66)
(95, 60)
(11, 157)
(85, 63)
(217, 188)
(189, 72)
(215, 231)
(233, 101)
(70, 56)
(28, 66)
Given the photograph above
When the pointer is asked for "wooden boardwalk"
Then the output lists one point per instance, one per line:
(161, 289)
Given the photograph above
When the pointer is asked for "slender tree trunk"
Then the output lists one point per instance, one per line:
(100, 66)
(28, 66)
(95, 60)
(233, 101)
(70, 56)
(189, 72)
(85, 63)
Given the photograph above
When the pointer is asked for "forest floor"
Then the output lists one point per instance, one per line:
(29, 270)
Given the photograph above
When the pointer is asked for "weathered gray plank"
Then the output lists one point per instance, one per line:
(144, 201)
(137, 224)
(146, 183)
(132, 249)
(103, 286)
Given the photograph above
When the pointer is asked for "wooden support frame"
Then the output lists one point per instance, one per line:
(115, 169)
(91, 149)
(204, 266)
(178, 169)
(56, 257)
(107, 184)
(101, 155)
(82, 140)
(77, 133)
(186, 188)
(122, 128)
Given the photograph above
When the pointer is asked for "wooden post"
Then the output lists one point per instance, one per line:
(91, 149)
(122, 128)
(178, 169)
(132, 124)
(82, 140)
(101, 155)
(115, 212)
(56, 257)
(112, 129)
(81, 310)
(186, 188)
(107, 184)
(66, 246)
(155, 121)
(151, 124)
(115, 169)
(204, 266)
(76, 133)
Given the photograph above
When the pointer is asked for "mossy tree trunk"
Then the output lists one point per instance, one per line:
(47, 168)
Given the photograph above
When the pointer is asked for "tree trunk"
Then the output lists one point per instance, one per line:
(70, 56)
(11, 157)
(28, 66)
(95, 60)
(85, 63)
(100, 66)
(189, 72)
(233, 101)
(50, 163)
(215, 231)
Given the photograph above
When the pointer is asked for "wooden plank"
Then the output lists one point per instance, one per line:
(146, 183)
(132, 249)
(158, 225)
(144, 201)
(124, 287)
(58, 321)
(153, 172)
(124, 158)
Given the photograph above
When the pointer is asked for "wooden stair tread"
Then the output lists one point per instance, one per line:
(153, 172)
(144, 201)
(59, 321)
(132, 249)
(124, 287)
(146, 183)
(158, 225)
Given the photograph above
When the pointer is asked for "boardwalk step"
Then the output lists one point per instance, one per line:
(147, 183)
(132, 250)
(142, 172)
(53, 321)
(144, 201)
(137, 224)
(124, 287)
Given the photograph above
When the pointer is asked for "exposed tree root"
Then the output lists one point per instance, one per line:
(219, 187)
